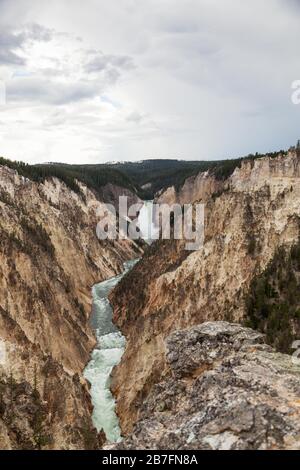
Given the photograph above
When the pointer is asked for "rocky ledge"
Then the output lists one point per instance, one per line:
(224, 389)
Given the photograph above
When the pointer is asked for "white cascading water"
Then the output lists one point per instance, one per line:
(108, 353)
(146, 222)
(110, 344)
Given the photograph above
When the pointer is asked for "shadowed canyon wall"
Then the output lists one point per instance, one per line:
(50, 258)
(247, 218)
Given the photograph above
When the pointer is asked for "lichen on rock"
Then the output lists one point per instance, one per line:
(225, 389)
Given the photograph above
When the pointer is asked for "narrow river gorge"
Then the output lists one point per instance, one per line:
(106, 355)
(110, 342)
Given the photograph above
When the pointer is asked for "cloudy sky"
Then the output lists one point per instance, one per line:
(100, 80)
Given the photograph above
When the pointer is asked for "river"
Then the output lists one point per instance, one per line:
(110, 343)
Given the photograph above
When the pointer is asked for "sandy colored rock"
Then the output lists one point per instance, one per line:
(50, 258)
(257, 211)
(224, 389)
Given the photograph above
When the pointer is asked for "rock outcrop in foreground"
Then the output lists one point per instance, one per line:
(224, 389)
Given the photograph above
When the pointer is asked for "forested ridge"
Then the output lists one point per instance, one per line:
(146, 178)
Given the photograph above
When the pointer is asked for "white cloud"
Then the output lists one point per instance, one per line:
(31, 90)
(135, 116)
(147, 78)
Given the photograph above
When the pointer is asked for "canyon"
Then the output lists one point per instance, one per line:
(50, 258)
(196, 372)
(248, 217)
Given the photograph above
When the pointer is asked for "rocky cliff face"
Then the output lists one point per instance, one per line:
(49, 259)
(223, 389)
(247, 217)
(195, 188)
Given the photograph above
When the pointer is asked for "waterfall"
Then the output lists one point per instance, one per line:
(110, 342)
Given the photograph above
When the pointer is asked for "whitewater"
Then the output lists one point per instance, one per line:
(110, 343)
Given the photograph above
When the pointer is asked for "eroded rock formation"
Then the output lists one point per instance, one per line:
(50, 258)
(247, 218)
(223, 388)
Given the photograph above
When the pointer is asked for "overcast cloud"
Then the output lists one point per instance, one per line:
(98, 81)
